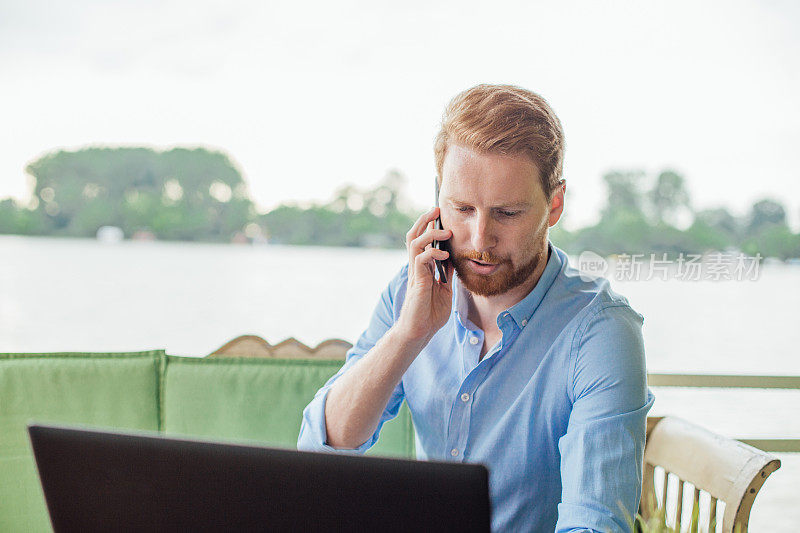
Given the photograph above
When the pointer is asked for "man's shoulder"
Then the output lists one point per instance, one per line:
(399, 281)
(395, 291)
(591, 297)
(604, 337)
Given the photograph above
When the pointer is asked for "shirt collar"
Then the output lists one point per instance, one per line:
(523, 310)
(460, 301)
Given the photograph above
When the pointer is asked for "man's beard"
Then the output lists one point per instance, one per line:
(502, 280)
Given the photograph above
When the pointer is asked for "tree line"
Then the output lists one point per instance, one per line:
(179, 194)
(199, 194)
(654, 214)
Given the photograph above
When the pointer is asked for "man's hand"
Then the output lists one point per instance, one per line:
(427, 303)
(358, 397)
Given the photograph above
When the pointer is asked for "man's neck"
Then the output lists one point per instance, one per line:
(483, 310)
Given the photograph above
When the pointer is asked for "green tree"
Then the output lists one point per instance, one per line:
(623, 193)
(623, 227)
(15, 219)
(668, 197)
(774, 240)
(353, 217)
(625, 231)
(178, 194)
(765, 213)
(721, 221)
(9, 213)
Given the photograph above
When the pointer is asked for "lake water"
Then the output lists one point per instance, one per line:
(82, 295)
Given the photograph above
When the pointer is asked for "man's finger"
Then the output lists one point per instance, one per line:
(429, 255)
(422, 242)
(419, 226)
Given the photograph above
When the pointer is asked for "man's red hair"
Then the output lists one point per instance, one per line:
(504, 119)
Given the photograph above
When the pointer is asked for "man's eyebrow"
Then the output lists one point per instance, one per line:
(517, 205)
(510, 205)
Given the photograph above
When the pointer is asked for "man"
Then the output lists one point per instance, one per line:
(518, 362)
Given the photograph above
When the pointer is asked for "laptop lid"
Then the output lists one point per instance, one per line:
(100, 481)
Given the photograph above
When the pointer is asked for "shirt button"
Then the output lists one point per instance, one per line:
(454, 452)
(524, 322)
(473, 340)
(465, 397)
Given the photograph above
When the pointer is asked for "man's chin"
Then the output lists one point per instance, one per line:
(483, 284)
(502, 280)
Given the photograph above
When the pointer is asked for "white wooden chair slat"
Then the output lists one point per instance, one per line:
(726, 469)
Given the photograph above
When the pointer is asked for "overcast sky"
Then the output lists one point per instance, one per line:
(307, 96)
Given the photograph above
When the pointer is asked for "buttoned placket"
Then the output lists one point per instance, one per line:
(461, 409)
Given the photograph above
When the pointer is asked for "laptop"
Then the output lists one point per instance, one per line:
(109, 481)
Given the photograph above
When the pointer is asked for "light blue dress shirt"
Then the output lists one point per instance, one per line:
(556, 409)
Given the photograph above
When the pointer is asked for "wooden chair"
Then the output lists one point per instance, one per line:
(291, 348)
(725, 469)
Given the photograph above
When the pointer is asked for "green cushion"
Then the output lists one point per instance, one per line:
(223, 398)
(101, 389)
(253, 399)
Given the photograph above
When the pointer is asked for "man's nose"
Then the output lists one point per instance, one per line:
(482, 233)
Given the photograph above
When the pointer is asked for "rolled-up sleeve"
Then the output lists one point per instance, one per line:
(603, 448)
(313, 432)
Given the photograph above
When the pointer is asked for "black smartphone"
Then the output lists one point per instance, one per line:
(440, 245)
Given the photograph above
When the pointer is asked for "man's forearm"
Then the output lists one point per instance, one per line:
(357, 399)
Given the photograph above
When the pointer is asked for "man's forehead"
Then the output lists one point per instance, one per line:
(470, 170)
(464, 156)
(515, 191)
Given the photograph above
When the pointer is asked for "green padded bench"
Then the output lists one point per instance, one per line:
(231, 399)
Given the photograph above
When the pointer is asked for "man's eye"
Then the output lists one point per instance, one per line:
(509, 213)
(463, 209)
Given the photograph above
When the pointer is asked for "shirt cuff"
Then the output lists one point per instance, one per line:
(314, 434)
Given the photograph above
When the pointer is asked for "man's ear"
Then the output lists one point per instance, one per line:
(557, 203)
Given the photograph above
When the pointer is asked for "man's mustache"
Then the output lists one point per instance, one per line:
(483, 257)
